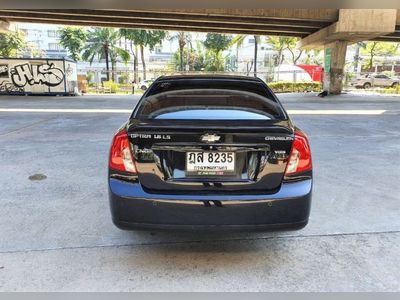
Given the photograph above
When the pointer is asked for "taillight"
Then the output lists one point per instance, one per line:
(300, 155)
(121, 157)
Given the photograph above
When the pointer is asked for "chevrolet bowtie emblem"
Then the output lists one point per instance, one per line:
(210, 138)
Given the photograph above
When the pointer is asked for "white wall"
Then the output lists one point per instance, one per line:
(37, 76)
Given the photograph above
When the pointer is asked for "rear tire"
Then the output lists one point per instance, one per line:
(367, 85)
(395, 84)
(143, 87)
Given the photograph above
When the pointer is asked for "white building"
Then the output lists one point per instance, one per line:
(245, 53)
(42, 37)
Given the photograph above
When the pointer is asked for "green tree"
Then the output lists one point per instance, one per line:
(102, 43)
(280, 43)
(193, 58)
(200, 57)
(183, 38)
(89, 76)
(186, 57)
(145, 38)
(291, 45)
(373, 49)
(73, 39)
(116, 52)
(10, 43)
(313, 57)
(213, 61)
(215, 43)
(129, 35)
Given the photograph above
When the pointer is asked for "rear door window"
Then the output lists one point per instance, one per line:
(209, 100)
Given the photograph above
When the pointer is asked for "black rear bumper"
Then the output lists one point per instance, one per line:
(133, 208)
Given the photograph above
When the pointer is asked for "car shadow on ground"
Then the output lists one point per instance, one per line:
(204, 240)
(208, 253)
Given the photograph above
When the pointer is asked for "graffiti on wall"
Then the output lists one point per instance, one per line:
(31, 74)
(69, 70)
(8, 87)
(3, 71)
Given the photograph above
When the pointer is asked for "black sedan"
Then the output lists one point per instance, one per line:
(210, 152)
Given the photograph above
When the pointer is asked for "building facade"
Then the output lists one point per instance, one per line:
(43, 41)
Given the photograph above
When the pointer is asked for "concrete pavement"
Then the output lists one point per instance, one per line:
(56, 233)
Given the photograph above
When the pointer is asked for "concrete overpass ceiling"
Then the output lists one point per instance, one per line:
(290, 22)
(282, 22)
(327, 15)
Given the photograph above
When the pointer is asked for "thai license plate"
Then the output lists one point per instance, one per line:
(210, 163)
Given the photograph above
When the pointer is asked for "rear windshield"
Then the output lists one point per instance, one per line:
(209, 100)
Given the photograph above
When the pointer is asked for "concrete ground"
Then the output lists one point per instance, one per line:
(56, 231)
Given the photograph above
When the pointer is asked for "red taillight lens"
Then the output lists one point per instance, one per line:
(300, 155)
(121, 157)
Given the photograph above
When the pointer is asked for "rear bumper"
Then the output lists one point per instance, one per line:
(132, 208)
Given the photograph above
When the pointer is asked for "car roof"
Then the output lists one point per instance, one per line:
(208, 76)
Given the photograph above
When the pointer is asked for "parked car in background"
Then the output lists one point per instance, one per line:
(144, 84)
(374, 80)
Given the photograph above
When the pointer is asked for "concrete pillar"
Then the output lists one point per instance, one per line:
(353, 25)
(335, 58)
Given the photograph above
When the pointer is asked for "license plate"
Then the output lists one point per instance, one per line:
(210, 163)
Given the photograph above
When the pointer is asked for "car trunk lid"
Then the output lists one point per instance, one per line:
(163, 149)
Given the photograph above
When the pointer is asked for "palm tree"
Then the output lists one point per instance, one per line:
(144, 38)
(129, 34)
(102, 43)
(183, 39)
(116, 52)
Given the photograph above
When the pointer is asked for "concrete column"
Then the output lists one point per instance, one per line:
(353, 25)
(334, 66)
